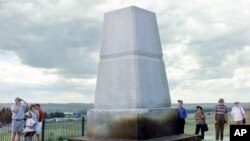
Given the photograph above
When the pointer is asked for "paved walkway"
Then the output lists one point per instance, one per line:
(212, 138)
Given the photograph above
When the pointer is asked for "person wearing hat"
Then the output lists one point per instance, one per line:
(17, 122)
(182, 116)
(200, 121)
(238, 114)
(220, 119)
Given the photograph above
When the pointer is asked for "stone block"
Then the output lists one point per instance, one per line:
(135, 124)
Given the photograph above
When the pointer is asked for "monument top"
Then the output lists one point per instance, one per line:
(129, 8)
(130, 31)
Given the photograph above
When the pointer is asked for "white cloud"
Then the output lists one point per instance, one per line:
(49, 49)
(40, 85)
(12, 71)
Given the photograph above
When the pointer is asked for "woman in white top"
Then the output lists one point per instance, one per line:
(238, 114)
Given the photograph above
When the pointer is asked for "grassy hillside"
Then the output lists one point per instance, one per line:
(76, 107)
(71, 107)
(61, 107)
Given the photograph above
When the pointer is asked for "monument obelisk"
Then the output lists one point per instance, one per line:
(132, 99)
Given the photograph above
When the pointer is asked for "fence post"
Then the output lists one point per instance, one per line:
(83, 126)
(43, 131)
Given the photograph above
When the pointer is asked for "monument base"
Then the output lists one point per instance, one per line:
(181, 137)
(132, 124)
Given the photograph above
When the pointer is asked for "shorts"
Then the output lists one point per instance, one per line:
(17, 126)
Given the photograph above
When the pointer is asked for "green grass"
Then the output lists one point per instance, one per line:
(62, 131)
(56, 131)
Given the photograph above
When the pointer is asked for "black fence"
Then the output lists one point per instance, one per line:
(52, 130)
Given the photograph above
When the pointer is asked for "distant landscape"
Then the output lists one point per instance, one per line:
(60, 107)
(83, 107)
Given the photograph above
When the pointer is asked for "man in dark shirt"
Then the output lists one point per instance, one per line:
(182, 116)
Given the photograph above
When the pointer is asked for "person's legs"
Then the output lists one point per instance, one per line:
(28, 136)
(19, 129)
(13, 135)
(179, 126)
(182, 125)
(219, 127)
(38, 131)
(197, 129)
(222, 127)
(17, 137)
(13, 130)
(37, 137)
(217, 130)
(183, 128)
(202, 131)
(222, 131)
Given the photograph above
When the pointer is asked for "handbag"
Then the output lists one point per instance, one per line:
(244, 118)
(205, 127)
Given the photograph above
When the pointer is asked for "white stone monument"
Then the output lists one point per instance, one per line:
(132, 99)
(131, 71)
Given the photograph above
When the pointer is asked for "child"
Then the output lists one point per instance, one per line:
(28, 130)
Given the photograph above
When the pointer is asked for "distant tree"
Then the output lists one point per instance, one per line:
(5, 116)
(46, 115)
(51, 115)
(56, 115)
(59, 114)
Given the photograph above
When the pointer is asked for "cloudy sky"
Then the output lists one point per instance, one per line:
(49, 49)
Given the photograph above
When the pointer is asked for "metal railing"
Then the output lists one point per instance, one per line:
(56, 130)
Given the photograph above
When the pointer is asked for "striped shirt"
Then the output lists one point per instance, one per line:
(220, 109)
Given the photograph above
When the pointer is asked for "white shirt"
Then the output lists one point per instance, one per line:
(237, 113)
(29, 123)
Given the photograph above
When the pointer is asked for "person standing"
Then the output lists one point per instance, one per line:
(17, 123)
(220, 119)
(29, 127)
(238, 114)
(34, 115)
(40, 121)
(182, 117)
(200, 121)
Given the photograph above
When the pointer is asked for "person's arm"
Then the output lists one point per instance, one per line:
(244, 113)
(203, 116)
(26, 104)
(215, 111)
(32, 123)
(15, 109)
(232, 111)
(185, 113)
